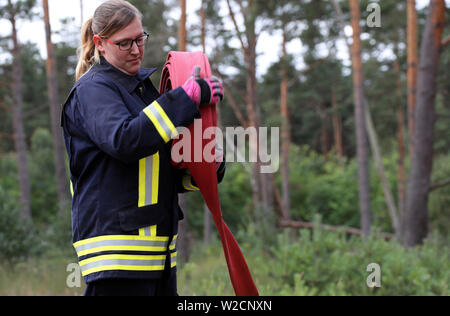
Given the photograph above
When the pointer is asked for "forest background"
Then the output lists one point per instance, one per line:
(363, 110)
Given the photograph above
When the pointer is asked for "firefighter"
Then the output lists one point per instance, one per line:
(118, 132)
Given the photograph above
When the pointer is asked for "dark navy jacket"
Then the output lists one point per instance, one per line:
(118, 132)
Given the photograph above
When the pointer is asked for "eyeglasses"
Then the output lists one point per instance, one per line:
(127, 44)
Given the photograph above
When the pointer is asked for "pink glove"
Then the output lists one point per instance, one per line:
(203, 91)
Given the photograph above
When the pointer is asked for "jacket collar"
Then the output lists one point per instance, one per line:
(128, 82)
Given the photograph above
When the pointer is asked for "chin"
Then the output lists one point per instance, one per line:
(134, 70)
(136, 66)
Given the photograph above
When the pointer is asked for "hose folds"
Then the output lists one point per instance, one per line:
(175, 73)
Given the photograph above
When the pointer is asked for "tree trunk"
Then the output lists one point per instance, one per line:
(203, 26)
(207, 217)
(416, 220)
(389, 198)
(412, 67)
(401, 170)
(182, 27)
(253, 117)
(262, 190)
(337, 127)
(285, 133)
(58, 145)
(361, 136)
(18, 128)
(324, 136)
(265, 192)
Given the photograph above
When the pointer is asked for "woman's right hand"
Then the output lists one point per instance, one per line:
(203, 91)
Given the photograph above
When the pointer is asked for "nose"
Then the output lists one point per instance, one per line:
(134, 48)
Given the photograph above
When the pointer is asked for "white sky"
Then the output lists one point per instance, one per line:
(268, 47)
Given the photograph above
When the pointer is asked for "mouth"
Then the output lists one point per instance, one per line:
(134, 61)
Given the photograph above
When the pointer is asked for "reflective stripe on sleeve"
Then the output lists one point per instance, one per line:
(161, 121)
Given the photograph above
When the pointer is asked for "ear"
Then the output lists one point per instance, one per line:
(99, 44)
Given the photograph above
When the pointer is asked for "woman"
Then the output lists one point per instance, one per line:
(118, 131)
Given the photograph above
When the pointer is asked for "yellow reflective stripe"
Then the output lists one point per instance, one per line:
(173, 259)
(148, 180)
(122, 257)
(120, 248)
(153, 230)
(173, 243)
(155, 179)
(161, 121)
(123, 262)
(142, 164)
(148, 231)
(121, 243)
(157, 125)
(143, 231)
(71, 188)
(187, 183)
(126, 263)
(172, 128)
(123, 268)
(120, 237)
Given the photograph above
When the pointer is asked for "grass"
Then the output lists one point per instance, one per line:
(47, 275)
(206, 274)
(320, 263)
(43, 276)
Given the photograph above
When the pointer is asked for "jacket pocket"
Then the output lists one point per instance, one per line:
(149, 180)
(133, 219)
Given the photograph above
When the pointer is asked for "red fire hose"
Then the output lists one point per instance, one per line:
(176, 71)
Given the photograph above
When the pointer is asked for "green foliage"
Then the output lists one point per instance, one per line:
(328, 188)
(18, 239)
(324, 263)
(57, 232)
(315, 263)
(42, 173)
(439, 204)
(319, 187)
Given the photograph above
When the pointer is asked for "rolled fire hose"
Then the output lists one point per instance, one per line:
(177, 70)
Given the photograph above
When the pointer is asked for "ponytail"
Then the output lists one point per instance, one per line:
(88, 54)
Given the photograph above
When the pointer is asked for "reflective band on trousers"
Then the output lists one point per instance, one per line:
(126, 262)
(148, 180)
(123, 243)
(161, 121)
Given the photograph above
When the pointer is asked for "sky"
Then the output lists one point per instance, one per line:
(268, 47)
(33, 31)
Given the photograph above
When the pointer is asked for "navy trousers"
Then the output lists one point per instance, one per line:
(166, 286)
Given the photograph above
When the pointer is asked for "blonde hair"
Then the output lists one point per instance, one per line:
(109, 17)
